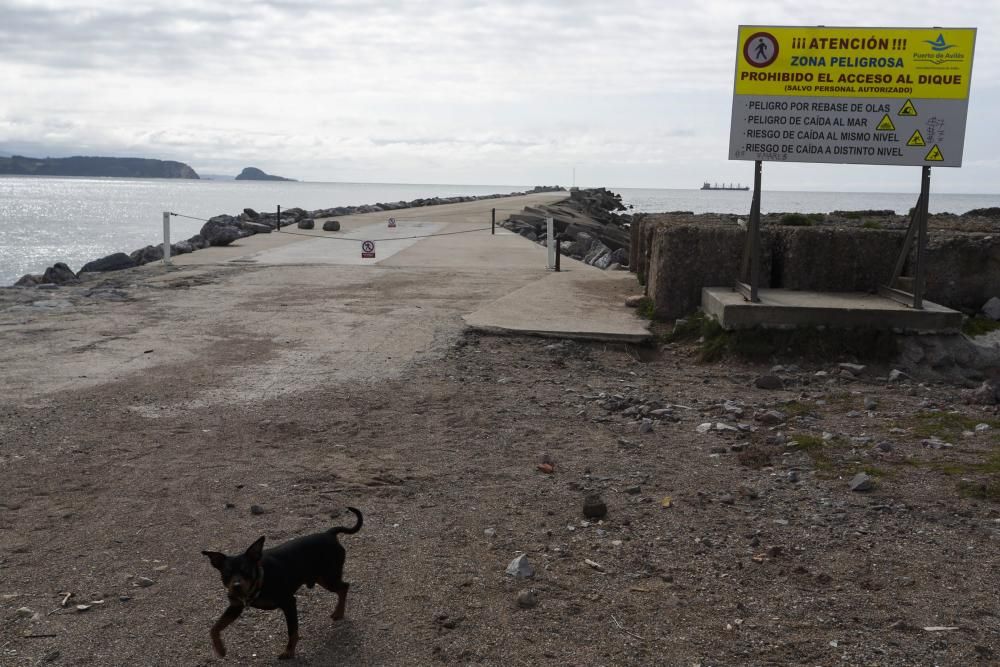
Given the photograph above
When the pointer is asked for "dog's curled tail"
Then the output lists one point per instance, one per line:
(349, 531)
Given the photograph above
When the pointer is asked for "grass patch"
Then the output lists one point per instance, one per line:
(945, 425)
(978, 325)
(646, 308)
(808, 443)
(988, 490)
(872, 224)
(794, 409)
(795, 220)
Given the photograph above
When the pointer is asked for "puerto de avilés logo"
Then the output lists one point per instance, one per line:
(939, 44)
(940, 53)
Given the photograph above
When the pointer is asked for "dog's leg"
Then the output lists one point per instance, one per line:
(292, 620)
(340, 588)
(228, 616)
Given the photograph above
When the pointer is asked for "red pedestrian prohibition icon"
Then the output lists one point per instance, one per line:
(760, 49)
(368, 250)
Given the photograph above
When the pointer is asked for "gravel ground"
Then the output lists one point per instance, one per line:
(742, 545)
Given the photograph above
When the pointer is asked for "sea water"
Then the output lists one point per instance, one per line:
(44, 220)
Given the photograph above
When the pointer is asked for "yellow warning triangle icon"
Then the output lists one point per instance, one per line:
(885, 125)
(916, 139)
(934, 155)
(907, 110)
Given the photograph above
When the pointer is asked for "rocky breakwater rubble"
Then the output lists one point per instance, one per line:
(224, 229)
(588, 227)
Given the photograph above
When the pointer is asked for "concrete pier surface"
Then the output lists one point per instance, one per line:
(312, 302)
(779, 308)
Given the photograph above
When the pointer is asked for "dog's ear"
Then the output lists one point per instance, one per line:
(218, 559)
(256, 550)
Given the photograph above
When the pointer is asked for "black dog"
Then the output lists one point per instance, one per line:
(269, 579)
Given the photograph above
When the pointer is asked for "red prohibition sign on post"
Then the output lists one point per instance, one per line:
(760, 49)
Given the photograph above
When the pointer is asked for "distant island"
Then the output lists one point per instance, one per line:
(255, 174)
(120, 167)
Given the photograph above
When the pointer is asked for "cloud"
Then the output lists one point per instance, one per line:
(386, 87)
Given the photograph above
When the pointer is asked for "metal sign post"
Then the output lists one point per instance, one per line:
(751, 251)
(166, 238)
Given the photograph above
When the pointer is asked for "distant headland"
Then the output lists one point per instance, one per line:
(120, 167)
(255, 174)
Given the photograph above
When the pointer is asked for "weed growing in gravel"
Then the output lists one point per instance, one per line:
(871, 224)
(645, 308)
(795, 220)
(989, 490)
(978, 325)
(755, 456)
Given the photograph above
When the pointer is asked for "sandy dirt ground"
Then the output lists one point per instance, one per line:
(144, 414)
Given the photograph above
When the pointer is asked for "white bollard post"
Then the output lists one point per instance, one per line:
(166, 238)
(550, 240)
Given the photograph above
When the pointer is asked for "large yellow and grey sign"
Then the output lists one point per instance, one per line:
(896, 96)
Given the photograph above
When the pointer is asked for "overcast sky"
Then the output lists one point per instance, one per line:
(631, 94)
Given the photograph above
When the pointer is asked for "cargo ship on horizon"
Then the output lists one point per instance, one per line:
(708, 186)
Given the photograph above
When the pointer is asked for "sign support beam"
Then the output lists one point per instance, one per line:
(918, 230)
(751, 251)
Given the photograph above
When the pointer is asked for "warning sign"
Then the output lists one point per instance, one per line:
(907, 109)
(916, 139)
(851, 95)
(934, 155)
(885, 125)
(392, 222)
(367, 250)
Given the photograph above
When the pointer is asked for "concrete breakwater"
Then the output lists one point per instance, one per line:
(224, 229)
(676, 254)
(589, 226)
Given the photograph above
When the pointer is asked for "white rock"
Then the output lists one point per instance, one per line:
(704, 428)
(520, 567)
(991, 308)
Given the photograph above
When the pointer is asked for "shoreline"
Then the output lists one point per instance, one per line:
(223, 229)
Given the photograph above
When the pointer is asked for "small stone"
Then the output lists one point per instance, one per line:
(646, 426)
(862, 482)
(793, 476)
(884, 446)
(769, 382)
(704, 428)
(721, 426)
(770, 417)
(980, 428)
(124, 598)
(896, 375)
(853, 369)
(256, 510)
(230, 506)
(144, 582)
(633, 490)
(775, 551)
(870, 403)
(854, 414)
(490, 532)
(527, 599)
(83, 607)
(635, 300)
(25, 612)
(727, 499)
(594, 507)
(520, 567)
